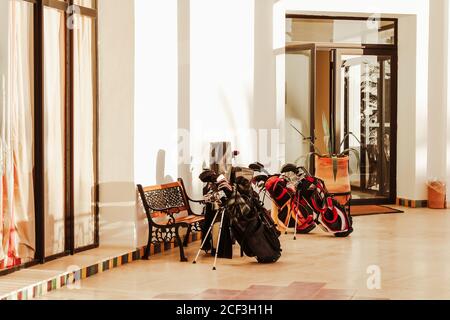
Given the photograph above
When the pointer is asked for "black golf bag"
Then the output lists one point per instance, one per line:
(225, 249)
(247, 221)
(251, 224)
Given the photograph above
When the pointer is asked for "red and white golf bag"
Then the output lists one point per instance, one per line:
(329, 214)
(291, 210)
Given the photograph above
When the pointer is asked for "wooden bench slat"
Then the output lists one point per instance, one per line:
(162, 186)
(191, 219)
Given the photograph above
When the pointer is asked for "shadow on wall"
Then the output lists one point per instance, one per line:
(117, 213)
(161, 178)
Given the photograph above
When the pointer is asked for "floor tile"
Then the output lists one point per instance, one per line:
(316, 266)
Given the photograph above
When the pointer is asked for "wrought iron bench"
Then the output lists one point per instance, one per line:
(165, 206)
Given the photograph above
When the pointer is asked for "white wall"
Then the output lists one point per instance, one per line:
(203, 80)
(439, 103)
(116, 114)
(156, 92)
(222, 74)
(207, 67)
(437, 90)
(232, 80)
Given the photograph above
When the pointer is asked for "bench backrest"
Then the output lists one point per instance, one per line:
(166, 197)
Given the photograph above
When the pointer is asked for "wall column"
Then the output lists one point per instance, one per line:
(438, 76)
(116, 113)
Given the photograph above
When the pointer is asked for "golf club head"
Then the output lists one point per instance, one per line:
(304, 171)
(208, 176)
(258, 167)
(262, 178)
(260, 181)
(289, 167)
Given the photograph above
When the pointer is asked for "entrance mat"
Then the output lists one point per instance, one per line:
(357, 211)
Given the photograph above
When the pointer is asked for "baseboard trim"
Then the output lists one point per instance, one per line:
(412, 203)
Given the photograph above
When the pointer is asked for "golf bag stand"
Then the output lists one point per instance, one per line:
(222, 213)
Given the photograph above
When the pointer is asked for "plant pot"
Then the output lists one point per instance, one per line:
(437, 195)
(335, 184)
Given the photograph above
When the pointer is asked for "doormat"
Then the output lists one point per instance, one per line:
(357, 211)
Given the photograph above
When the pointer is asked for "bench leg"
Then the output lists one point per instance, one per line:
(180, 244)
(147, 249)
(186, 238)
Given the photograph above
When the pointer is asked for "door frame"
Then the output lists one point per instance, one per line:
(393, 54)
(378, 50)
(313, 87)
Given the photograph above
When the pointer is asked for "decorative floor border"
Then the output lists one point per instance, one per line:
(412, 203)
(73, 276)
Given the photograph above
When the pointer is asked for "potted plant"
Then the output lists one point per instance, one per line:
(331, 166)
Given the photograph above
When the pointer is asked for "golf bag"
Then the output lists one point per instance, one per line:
(253, 228)
(245, 217)
(290, 205)
(329, 214)
(225, 247)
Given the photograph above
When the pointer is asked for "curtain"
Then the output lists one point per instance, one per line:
(54, 105)
(17, 232)
(84, 182)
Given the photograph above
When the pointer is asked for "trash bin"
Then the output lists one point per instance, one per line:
(437, 195)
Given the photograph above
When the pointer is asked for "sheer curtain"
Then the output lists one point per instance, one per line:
(84, 182)
(54, 117)
(17, 233)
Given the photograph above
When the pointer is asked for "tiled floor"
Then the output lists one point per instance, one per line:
(295, 291)
(411, 250)
(39, 275)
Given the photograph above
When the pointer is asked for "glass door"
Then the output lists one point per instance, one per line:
(300, 102)
(54, 132)
(84, 133)
(364, 111)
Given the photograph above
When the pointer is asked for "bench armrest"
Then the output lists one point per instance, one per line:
(181, 182)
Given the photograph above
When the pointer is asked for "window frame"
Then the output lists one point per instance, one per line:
(39, 178)
(354, 18)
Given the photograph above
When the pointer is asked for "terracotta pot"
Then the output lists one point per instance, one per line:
(437, 195)
(340, 184)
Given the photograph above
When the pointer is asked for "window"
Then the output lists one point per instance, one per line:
(17, 212)
(54, 114)
(342, 30)
(48, 145)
